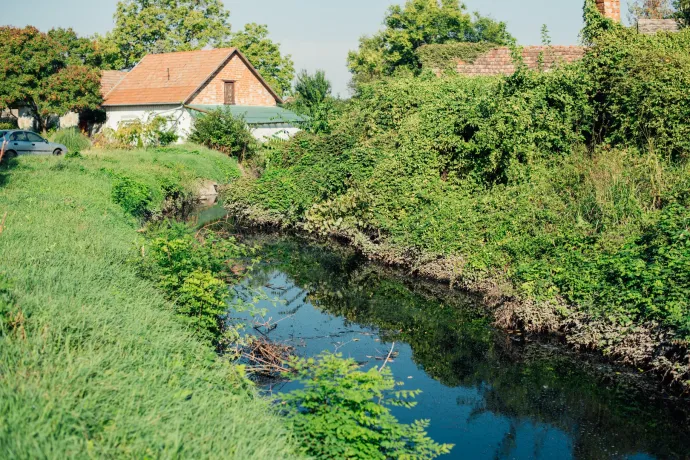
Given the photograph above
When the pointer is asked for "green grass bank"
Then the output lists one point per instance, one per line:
(93, 362)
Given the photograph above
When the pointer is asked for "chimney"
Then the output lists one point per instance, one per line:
(610, 9)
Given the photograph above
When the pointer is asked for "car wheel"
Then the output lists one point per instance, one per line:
(9, 155)
(57, 152)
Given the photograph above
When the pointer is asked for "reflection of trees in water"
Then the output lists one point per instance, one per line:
(453, 343)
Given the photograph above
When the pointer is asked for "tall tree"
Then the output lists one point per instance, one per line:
(650, 9)
(158, 26)
(417, 23)
(78, 50)
(682, 12)
(44, 74)
(312, 90)
(265, 56)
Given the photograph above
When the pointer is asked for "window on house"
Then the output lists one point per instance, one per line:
(229, 93)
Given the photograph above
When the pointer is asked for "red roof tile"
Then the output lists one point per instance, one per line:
(110, 79)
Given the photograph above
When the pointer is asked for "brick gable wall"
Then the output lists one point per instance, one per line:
(248, 89)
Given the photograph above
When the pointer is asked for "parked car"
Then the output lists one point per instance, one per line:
(19, 142)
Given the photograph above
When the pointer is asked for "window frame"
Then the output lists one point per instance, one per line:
(29, 134)
(14, 137)
(233, 85)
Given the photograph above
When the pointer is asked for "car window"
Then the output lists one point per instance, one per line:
(33, 137)
(18, 136)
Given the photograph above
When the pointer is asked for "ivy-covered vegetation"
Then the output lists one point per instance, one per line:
(569, 187)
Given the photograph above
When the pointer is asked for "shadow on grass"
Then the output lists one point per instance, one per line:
(5, 167)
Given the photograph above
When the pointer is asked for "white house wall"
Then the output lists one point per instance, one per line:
(182, 119)
(179, 117)
(274, 131)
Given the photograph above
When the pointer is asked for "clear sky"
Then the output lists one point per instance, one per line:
(317, 33)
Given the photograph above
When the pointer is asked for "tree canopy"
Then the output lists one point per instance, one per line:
(160, 26)
(660, 9)
(264, 54)
(50, 74)
(417, 23)
(650, 9)
(312, 90)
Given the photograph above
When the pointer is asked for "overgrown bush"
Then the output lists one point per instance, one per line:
(201, 303)
(72, 138)
(640, 91)
(155, 131)
(8, 125)
(221, 130)
(195, 272)
(134, 197)
(343, 412)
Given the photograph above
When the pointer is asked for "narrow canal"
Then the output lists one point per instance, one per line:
(491, 394)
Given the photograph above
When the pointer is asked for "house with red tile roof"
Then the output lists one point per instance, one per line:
(182, 85)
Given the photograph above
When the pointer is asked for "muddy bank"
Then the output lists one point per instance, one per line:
(647, 348)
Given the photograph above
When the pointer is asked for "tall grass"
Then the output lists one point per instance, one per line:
(73, 139)
(92, 361)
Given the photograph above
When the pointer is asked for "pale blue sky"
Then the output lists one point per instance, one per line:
(317, 33)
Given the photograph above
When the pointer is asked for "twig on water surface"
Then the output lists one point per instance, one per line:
(267, 358)
(387, 357)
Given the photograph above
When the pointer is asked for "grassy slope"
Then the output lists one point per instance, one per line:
(100, 367)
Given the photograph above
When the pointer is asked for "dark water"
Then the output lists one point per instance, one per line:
(492, 395)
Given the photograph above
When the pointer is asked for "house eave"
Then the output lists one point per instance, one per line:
(141, 104)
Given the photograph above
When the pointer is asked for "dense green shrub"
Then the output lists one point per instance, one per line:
(73, 139)
(134, 197)
(343, 412)
(194, 273)
(640, 91)
(8, 125)
(201, 303)
(221, 130)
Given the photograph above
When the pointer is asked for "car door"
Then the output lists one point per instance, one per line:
(38, 144)
(19, 143)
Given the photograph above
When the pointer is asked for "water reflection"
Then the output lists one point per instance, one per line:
(485, 392)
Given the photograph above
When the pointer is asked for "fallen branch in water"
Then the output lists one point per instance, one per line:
(267, 358)
(387, 357)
